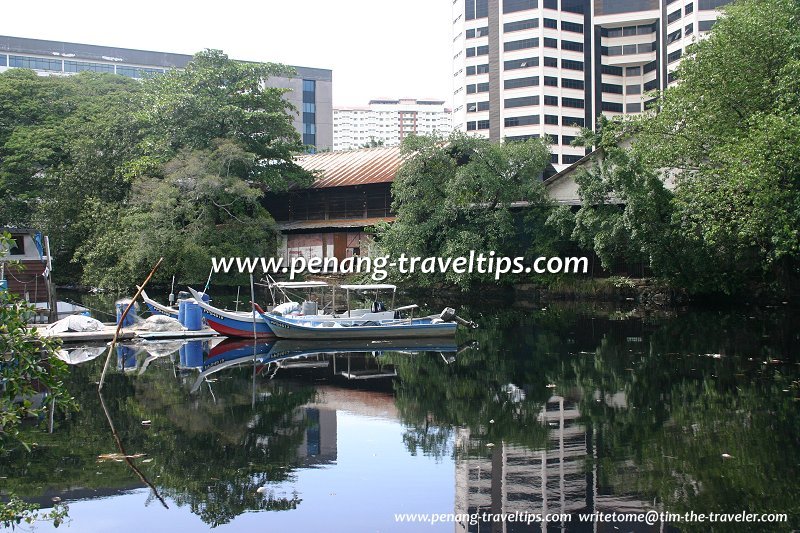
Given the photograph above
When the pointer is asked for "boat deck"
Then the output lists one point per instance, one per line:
(107, 334)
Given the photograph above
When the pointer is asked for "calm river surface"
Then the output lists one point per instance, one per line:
(563, 409)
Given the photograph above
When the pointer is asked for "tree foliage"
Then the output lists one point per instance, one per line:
(725, 140)
(118, 172)
(455, 195)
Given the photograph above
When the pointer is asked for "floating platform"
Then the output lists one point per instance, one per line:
(107, 334)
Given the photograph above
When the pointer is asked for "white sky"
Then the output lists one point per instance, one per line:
(377, 48)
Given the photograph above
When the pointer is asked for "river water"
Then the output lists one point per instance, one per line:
(558, 410)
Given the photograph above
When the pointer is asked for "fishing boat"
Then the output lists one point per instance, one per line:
(360, 328)
(157, 308)
(241, 323)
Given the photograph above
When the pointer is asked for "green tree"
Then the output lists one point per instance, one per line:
(726, 137)
(455, 195)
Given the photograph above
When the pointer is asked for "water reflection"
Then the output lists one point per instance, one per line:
(550, 411)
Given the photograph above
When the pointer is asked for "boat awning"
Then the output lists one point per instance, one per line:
(377, 287)
(299, 284)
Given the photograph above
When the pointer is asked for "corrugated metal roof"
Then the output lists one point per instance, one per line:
(333, 223)
(353, 167)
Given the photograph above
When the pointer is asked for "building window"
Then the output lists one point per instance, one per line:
(519, 138)
(528, 120)
(471, 126)
(549, 42)
(650, 67)
(611, 88)
(520, 25)
(567, 139)
(573, 122)
(571, 64)
(511, 6)
(522, 101)
(572, 84)
(688, 9)
(550, 100)
(551, 62)
(551, 81)
(554, 159)
(612, 7)
(470, 71)
(633, 89)
(633, 71)
(646, 29)
(521, 44)
(572, 102)
(634, 107)
(674, 56)
(309, 91)
(689, 29)
(476, 9)
(527, 62)
(138, 72)
(521, 82)
(477, 32)
(81, 66)
(569, 159)
(672, 17)
(475, 107)
(674, 36)
(2, 60)
(483, 50)
(471, 52)
(573, 6)
(705, 25)
(482, 69)
(35, 63)
(550, 4)
(628, 49)
(572, 45)
(571, 26)
(483, 124)
(17, 245)
(310, 139)
(552, 120)
(705, 5)
(651, 85)
(611, 70)
(551, 23)
(672, 76)
(612, 107)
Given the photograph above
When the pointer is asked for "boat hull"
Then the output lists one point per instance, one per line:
(298, 329)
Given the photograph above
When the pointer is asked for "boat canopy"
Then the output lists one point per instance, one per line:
(378, 287)
(299, 284)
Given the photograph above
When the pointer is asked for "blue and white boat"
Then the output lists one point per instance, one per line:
(157, 308)
(240, 323)
(359, 328)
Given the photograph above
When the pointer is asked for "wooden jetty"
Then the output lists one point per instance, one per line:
(107, 334)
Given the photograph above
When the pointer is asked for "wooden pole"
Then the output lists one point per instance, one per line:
(121, 320)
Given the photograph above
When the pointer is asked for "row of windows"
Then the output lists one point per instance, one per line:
(477, 32)
(570, 6)
(476, 9)
(628, 49)
(478, 125)
(81, 66)
(675, 15)
(515, 64)
(516, 83)
(627, 31)
(706, 5)
(527, 120)
(309, 92)
(651, 85)
(674, 56)
(475, 107)
(522, 101)
(522, 44)
(478, 88)
(36, 63)
(473, 70)
(478, 51)
(520, 25)
(512, 6)
(571, 26)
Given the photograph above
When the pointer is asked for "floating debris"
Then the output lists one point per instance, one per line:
(727, 456)
(118, 457)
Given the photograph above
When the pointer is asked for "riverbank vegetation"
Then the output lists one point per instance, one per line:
(120, 172)
(702, 190)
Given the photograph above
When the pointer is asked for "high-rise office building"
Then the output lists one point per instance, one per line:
(530, 68)
(388, 121)
(311, 88)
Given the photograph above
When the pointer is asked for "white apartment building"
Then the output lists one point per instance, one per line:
(530, 68)
(388, 121)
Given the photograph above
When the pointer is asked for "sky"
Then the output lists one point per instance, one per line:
(376, 49)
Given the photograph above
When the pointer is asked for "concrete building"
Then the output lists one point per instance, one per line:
(311, 88)
(388, 121)
(530, 68)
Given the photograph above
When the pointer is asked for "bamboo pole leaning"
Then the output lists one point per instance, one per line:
(121, 320)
